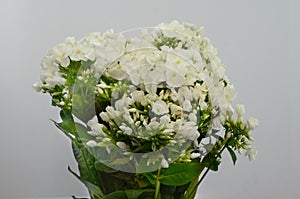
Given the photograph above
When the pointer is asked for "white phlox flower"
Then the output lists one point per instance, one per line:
(161, 88)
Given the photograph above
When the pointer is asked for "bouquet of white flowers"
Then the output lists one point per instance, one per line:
(149, 115)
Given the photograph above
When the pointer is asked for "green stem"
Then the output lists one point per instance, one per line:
(87, 166)
(208, 168)
(157, 186)
(203, 176)
(79, 144)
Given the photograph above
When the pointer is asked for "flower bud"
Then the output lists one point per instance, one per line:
(252, 123)
(240, 108)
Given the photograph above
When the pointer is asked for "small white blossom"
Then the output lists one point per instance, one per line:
(61, 54)
(126, 130)
(165, 119)
(128, 118)
(37, 87)
(51, 82)
(176, 110)
(240, 109)
(230, 93)
(100, 65)
(112, 113)
(185, 93)
(252, 123)
(160, 107)
(187, 106)
(195, 155)
(137, 96)
(104, 116)
(116, 72)
(175, 29)
(98, 129)
(251, 153)
(122, 103)
(91, 143)
(168, 131)
(164, 163)
(79, 52)
(230, 111)
(93, 121)
(122, 145)
(174, 78)
(193, 117)
(189, 130)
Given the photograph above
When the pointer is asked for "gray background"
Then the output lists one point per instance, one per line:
(257, 40)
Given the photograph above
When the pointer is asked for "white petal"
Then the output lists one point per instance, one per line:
(164, 163)
(121, 145)
(160, 107)
(92, 121)
(240, 108)
(195, 155)
(104, 116)
(91, 143)
(251, 153)
(252, 123)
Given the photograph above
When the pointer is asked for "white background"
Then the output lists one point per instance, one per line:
(258, 41)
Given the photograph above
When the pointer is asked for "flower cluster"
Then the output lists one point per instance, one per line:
(166, 87)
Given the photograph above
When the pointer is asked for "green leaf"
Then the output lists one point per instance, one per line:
(192, 189)
(67, 118)
(116, 195)
(180, 174)
(85, 162)
(119, 161)
(135, 193)
(167, 191)
(83, 95)
(102, 167)
(64, 128)
(232, 154)
(93, 189)
(82, 132)
(67, 126)
(211, 161)
(143, 165)
(150, 177)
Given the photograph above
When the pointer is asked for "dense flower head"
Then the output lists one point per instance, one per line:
(161, 88)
